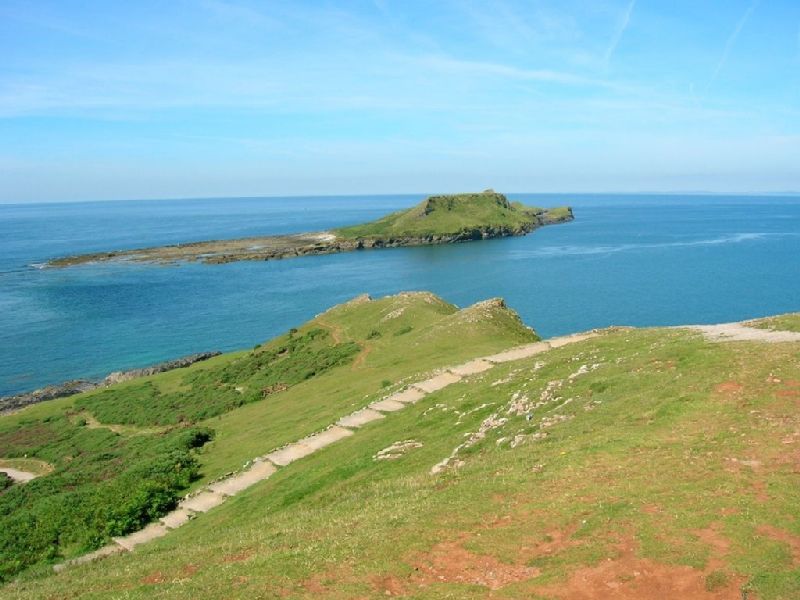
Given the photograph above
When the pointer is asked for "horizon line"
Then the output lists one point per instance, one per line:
(424, 194)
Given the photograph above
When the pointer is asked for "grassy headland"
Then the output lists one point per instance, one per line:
(633, 462)
(124, 455)
(467, 216)
(437, 220)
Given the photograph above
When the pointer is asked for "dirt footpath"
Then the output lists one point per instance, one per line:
(736, 332)
(17, 475)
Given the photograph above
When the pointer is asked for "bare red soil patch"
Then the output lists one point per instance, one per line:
(322, 582)
(555, 541)
(449, 562)
(779, 535)
(238, 557)
(388, 585)
(314, 584)
(628, 577)
(154, 578)
(760, 489)
(499, 522)
(729, 388)
(720, 545)
(159, 577)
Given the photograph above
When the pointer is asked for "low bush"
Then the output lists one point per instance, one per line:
(104, 485)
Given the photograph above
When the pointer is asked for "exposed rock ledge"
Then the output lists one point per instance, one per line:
(70, 388)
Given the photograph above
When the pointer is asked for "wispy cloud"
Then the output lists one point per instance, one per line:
(731, 41)
(622, 26)
(474, 69)
(480, 68)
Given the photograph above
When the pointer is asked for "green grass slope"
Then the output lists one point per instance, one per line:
(124, 455)
(485, 213)
(638, 464)
(788, 322)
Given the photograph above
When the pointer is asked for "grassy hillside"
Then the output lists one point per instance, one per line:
(456, 214)
(122, 456)
(789, 322)
(639, 464)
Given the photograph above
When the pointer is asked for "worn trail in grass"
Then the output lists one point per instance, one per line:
(148, 441)
(263, 467)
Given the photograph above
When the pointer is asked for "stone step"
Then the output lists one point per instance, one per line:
(149, 533)
(519, 353)
(437, 382)
(202, 502)
(176, 518)
(326, 438)
(408, 396)
(289, 454)
(387, 405)
(472, 367)
(558, 342)
(360, 418)
(231, 486)
(86, 558)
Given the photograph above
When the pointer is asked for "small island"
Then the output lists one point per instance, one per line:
(441, 219)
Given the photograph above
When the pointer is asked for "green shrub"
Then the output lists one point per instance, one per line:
(105, 485)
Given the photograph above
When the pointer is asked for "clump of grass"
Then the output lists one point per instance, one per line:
(716, 580)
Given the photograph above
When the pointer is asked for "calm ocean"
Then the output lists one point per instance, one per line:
(625, 260)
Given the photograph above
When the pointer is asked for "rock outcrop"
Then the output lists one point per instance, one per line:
(120, 376)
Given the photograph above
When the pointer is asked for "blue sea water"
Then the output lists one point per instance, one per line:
(625, 260)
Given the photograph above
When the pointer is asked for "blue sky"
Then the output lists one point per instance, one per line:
(105, 100)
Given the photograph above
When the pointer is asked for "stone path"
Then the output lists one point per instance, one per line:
(17, 475)
(737, 332)
(263, 467)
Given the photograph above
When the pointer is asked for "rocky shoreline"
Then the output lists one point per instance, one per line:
(77, 386)
(303, 244)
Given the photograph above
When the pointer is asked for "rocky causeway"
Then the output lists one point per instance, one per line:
(446, 219)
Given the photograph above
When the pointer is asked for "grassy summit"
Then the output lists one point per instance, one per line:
(471, 215)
